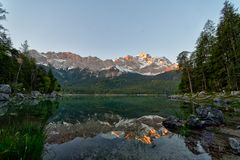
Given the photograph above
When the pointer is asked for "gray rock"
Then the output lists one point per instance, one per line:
(211, 116)
(175, 97)
(5, 88)
(202, 112)
(35, 94)
(206, 116)
(3, 107)
(202, 93)
(172, 123)
(215, 116)
(3, 103)
(195, 122)
(235, 144)
(20, 96)
(54, 94)
(235, 93)
(4, 97)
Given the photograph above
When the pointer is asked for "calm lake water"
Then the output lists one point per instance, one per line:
(105, 127)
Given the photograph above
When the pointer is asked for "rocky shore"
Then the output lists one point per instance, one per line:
(7, 96)
(215, 122)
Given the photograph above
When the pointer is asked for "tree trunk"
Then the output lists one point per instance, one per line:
(190, 82)
(19, 69)
(229, 79)
(204, 81)
(233, 42)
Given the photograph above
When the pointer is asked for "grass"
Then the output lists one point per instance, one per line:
(23, 142)
(184, 131)
(21, 134)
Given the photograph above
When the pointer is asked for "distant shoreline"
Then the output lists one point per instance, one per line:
(113, 95)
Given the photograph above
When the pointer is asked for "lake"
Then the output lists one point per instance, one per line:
(116, 127)
(109, 127)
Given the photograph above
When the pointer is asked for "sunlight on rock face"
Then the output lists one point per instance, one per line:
(143, 129)
(128, 58)
(149, 61)
(143, 55)
(146, 138)
(165, 132)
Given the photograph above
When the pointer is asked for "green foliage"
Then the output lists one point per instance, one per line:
(79, 81)
(23, 142)
(215, 64)
(21, 133)
(24, 75)
(185, 65)
(184, 131)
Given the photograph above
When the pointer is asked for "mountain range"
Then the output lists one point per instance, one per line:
(130, 74)
(143, 63)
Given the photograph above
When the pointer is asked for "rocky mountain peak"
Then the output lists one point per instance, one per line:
(143, 63)
(64, 56)
(144, 55)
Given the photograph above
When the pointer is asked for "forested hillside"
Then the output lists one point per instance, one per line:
(215, 63)
(82, 81)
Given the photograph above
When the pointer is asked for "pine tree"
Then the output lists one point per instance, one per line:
(186, 67)
(227, 45)
(203, 52)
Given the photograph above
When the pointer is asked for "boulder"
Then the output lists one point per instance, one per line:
(206, 116)
(5, 88)
(35, 94)
(202, 93)
(4, 97)
(195, 122)
(215, 117)
(20, 96)
(54, 94)
(211, 116)
(235, 93)
(235, 144)
(173, 123)
(3, 107)
(202, 112)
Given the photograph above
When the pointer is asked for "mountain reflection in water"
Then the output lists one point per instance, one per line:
(136, 138)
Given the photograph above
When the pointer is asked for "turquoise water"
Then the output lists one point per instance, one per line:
(106, 127)
(80, 107)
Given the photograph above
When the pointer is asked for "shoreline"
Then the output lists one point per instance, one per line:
(112, 95)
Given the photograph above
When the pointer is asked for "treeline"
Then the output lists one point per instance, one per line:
(19, 70)
(215, 63)
(81, 81)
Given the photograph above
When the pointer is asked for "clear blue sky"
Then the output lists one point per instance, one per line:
(110, 28)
